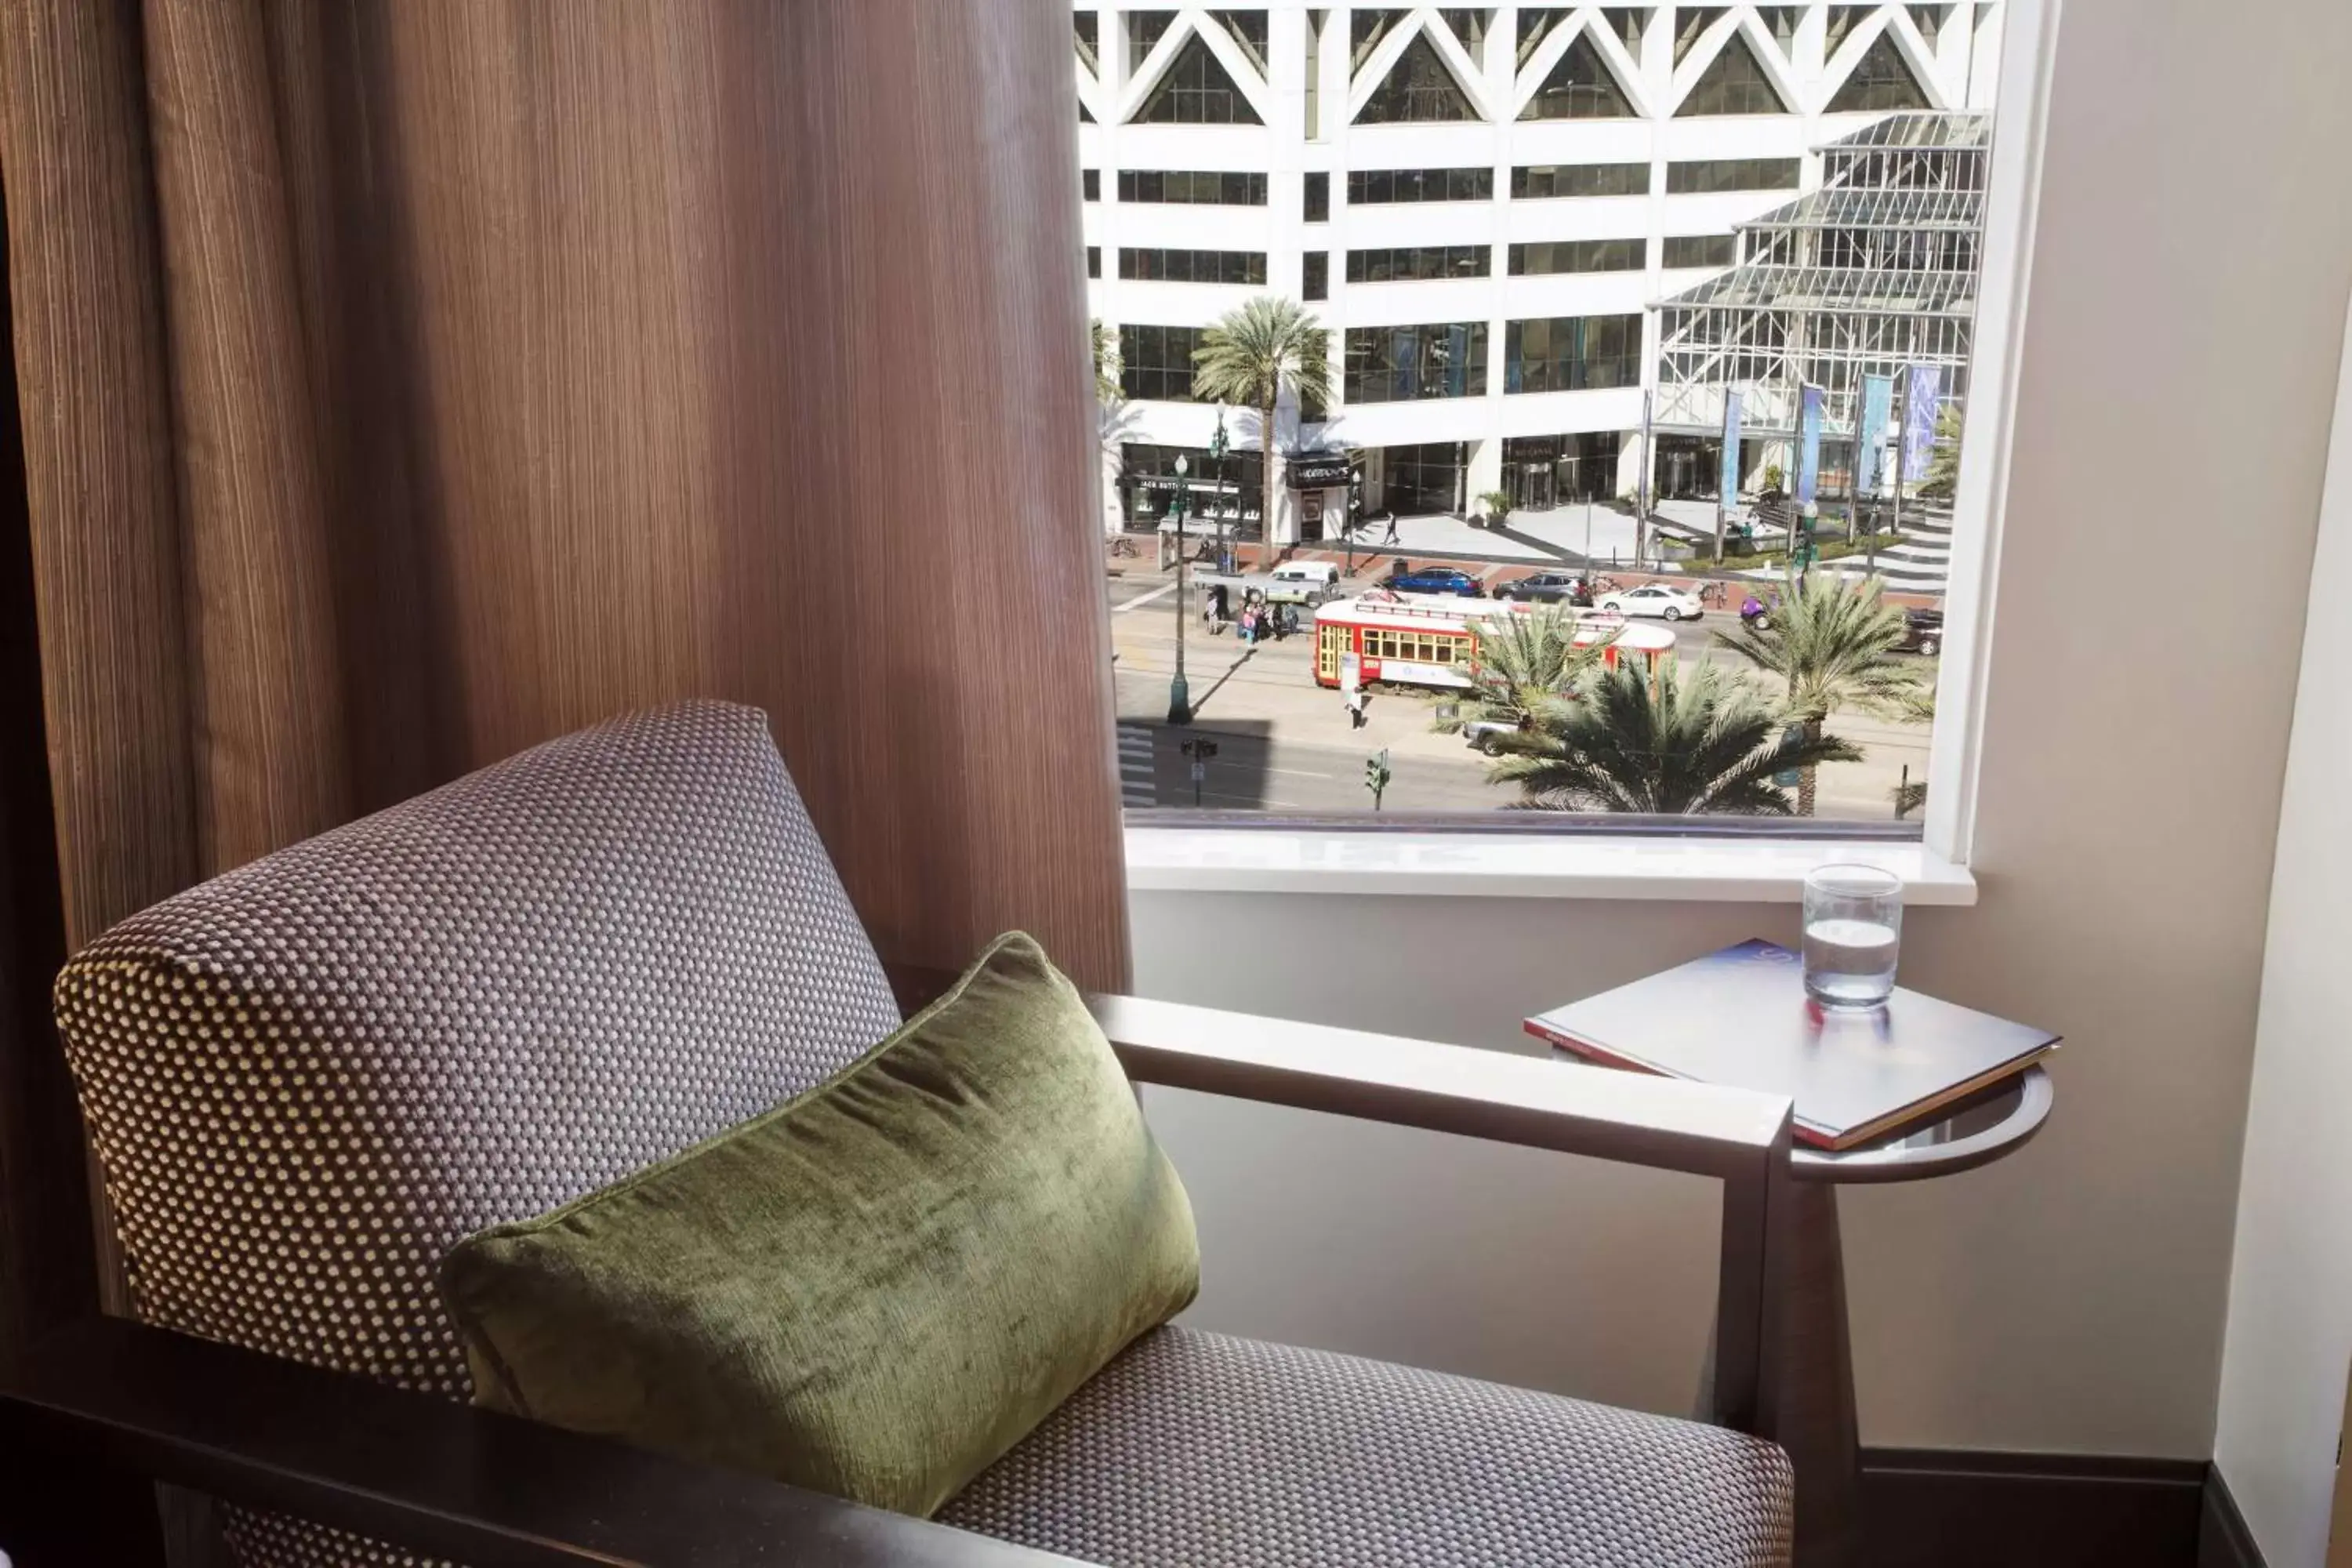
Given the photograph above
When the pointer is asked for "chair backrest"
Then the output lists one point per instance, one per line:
(309, 1077)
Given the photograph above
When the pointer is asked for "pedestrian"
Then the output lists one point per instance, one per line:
(1356, 705)
(1390, 537)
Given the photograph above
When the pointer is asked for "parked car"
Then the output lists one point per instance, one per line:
(1487, 736)
(1303, 583)
(1655, 599)
(1923, 632)
(1548, 588)
(1432, 580)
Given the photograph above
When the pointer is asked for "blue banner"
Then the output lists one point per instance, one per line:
(1922, 400)
(1730, 448)
(1808, 445)
(1870, 435)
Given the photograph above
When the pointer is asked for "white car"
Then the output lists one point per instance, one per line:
(1653, 599)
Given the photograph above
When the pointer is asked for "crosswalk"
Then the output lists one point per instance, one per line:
(1138, 785)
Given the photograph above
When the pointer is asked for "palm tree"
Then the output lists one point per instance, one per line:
(1683, 740)
(1251, 355)
(1106, 357)
(1526, 666)
(1832, 645)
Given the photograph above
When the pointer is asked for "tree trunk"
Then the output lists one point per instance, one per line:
(1265, 466)
(1808, 776)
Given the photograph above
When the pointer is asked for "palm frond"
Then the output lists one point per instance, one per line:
(1261, 347)
(1833, 644)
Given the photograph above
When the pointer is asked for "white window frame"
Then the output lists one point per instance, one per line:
(1749, 868)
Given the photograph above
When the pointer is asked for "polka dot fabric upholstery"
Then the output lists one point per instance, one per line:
(309, 1077)
(1195, 1450)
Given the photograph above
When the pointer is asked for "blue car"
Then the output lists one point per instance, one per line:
(1432, 580)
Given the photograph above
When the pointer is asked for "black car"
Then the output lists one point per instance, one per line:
(1549, 588)
(1923, 632)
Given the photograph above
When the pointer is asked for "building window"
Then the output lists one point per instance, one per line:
(1733, 83)
(1418, 89)
(1425, 478)
(1090, 183)
(1149, 481)
(1418, 263)
(1248, 30)
(1192, 187)
(1543, 180)
(1581, 87)
(1196, 91)
(1580, 256)
(1714, 174)
(1317, 198)
(1397, 364)
(1094, 260)
(1144, 31)
(1880, 83)
(1314, 275)
(1083, 22)
(1193, 265)
(1700, 250)
(1156, 362)
(1368, 187)
(1571, 353)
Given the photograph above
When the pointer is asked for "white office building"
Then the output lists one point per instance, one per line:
(1484, 205)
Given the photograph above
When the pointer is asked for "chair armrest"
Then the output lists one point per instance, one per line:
(1502, 1097)
(441, 1479)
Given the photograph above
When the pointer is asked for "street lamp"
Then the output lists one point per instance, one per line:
(1180, 695)
(1217, 456)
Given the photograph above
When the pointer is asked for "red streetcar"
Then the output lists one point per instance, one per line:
(1422, 639)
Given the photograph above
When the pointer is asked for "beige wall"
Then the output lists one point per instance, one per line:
(2186, 298)
(2290, 1329)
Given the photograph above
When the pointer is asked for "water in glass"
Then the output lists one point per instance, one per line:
(1853, 934)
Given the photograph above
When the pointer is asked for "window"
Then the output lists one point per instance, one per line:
(1572, 353)
(1248, 30)
(1700, 250)
(1194, 266)
(1418, 263)
(1144, 31)
(1430, 479)
(1315, 21)
(1196, 91)
(1541, 179)
(1580, 256)
(1690, 21)
(1090, 183)
(1094, 260)
(1083, 23)
(1880, 82)
(1396, 364)
(1156, 362)
(1314, 275)
(1192, 187)
(1368, 187)
(1731, 174)
(1316, 197)
(1581, 87)
(1229, 494)
(1733, 83)
(1535, 25)
(1419, 88)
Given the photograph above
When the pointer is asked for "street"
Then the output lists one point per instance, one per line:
(1284, 743)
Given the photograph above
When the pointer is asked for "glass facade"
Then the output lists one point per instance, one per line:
(1700, 250)
(1196, 91)
(1881, 83)
(1710, 175)
(1147, 484)
(1571, 353)
(1314, 275)
(1547, 180)
(1157, 362)
(1419, 263)
(1541, 472)
(1733, 83)
(1315, 198)
(1367, 187)
(1418, 89)
(1192, 187)
(1246, 267)
(1417, 479)
(1581, 87)
(1580, 256)
(1396, 364)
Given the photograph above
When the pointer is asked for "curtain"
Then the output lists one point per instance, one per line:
(405, 382)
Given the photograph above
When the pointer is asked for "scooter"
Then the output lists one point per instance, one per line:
(1752, 613)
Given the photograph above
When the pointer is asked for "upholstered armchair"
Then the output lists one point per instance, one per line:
(308, 1077)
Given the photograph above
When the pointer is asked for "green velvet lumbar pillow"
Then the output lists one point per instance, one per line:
(874, 1290)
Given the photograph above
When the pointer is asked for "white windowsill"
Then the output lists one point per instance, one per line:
(1518, 866)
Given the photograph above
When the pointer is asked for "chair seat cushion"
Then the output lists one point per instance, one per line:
(1197, 1450)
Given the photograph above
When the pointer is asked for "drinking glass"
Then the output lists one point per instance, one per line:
(1854, 932)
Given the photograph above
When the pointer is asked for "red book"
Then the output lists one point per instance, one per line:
(1741, 1017)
